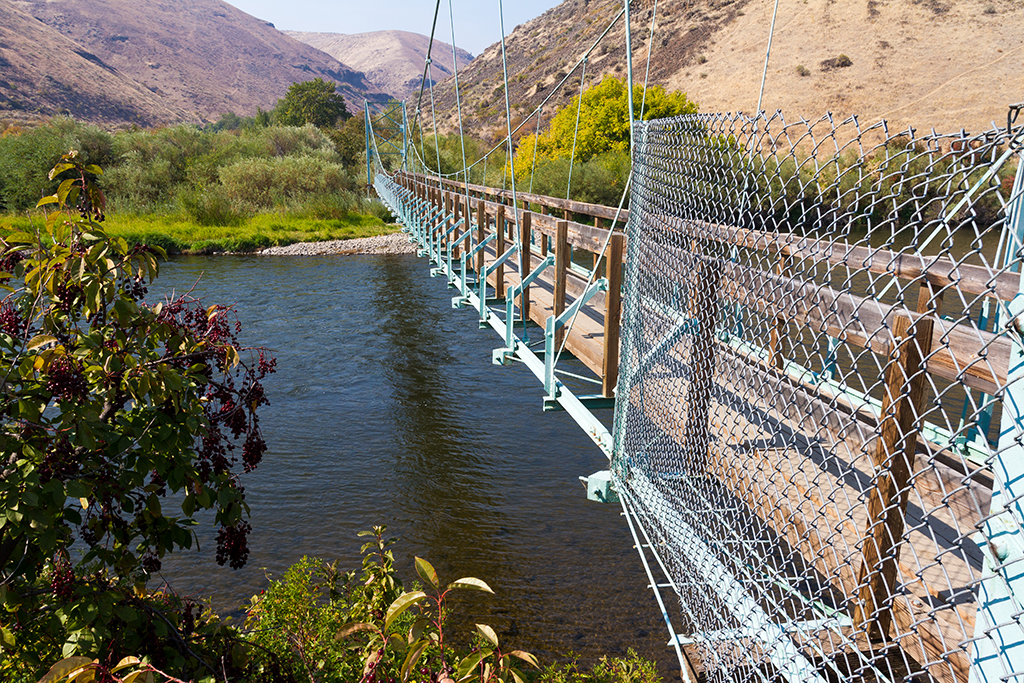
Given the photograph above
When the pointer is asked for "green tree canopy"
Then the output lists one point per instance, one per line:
(603, 122)
(313, 102)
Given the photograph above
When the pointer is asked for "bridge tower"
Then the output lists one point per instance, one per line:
(387, 139)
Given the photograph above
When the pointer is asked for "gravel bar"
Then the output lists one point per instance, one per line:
(395, 243)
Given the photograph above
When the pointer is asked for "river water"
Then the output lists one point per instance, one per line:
(386, 410)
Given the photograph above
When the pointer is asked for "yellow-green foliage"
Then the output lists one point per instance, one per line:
(603, 122)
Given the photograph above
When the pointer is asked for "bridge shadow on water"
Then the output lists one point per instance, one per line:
(386, 410)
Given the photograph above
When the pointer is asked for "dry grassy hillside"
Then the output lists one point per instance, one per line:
(42, 73)
(392, 60)
(926, 63)
(200, 57)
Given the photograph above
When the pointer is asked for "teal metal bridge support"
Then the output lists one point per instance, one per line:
(426, 226)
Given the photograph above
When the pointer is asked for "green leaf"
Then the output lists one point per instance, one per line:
(125, 663)
(58, 169)
(39, 341)
(351, 629)
(94, 169)
(65, 188)
(64, 667)
(414, 656)
(526, 657)
(488, 633)
(404, 602)
(465, 668)
(472, 584)
(51, 199)
(426, 572)
(20, 238)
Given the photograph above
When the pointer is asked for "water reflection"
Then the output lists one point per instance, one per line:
(386, 409)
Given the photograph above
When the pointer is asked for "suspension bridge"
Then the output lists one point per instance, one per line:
(810, 338)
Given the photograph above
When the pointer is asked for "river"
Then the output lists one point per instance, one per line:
(386, 410)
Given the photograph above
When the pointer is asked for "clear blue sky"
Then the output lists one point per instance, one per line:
(476, 21)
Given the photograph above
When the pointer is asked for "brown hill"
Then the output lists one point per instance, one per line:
(200, 57)
(392, 60)
(42, 73)
(926, 63)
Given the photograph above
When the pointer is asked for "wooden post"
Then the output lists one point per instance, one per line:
(481, 231)
(893, 458)
(561, 270)
(525, 261)
(499, 249)
(777, 350)
(705, 278)
(612, 315)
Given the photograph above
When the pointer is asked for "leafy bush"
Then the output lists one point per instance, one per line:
(212, 206)
(283, 181)
(26, 156)
(113, 409)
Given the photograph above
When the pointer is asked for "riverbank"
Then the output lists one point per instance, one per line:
(394, 243)
(178, 235)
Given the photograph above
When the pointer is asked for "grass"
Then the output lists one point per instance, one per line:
(180, 235)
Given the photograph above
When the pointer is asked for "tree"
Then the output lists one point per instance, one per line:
(313, 102)
(119, 420)
(603, 123)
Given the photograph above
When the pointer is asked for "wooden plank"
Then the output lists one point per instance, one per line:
(940, 272)
(964, 353)
(612, 316)
(893, 458)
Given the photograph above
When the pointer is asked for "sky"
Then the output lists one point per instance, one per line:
(477, 23)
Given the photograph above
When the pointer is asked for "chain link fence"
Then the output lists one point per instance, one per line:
(814, 366)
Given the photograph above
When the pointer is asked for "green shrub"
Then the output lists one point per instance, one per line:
(212, 206)
(269, 183)
(629, 669)
(25, 158)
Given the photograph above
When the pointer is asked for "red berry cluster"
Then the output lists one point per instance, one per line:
(59, 462)
(11, 322)
(232, 545)
(65, 379)
(63, 581)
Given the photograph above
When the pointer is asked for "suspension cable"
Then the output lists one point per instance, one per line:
(426, 66)
(508, 124)
(558, 86)
(647, 69)
(536, 144)
(576, 130)
(767, 54)
(629, 76)
(458, 104)
(433, 119)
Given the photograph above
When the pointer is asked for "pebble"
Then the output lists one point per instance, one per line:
(395, 243)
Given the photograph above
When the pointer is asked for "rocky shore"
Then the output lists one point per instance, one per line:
(395, 243)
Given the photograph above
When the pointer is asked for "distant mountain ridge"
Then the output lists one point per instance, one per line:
(392, 60)
(154, 62)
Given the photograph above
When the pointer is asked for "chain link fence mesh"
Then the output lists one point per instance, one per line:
(813, 359)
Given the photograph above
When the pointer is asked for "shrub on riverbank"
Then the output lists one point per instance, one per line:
(184, 174)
